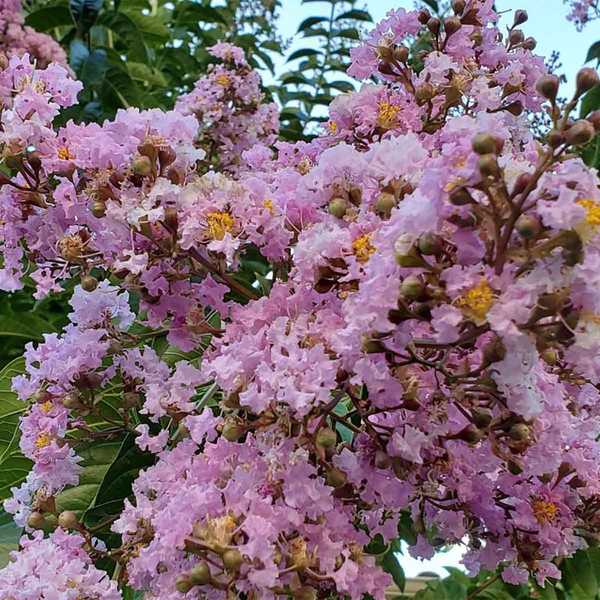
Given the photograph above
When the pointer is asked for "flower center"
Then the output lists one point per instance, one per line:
(592, 209)
(332, 126)
(387, 115)
(219, 223)
(46, 407)
(363, 248)
(223, 80)
(43, 440)
(478, 300)
(545, 511)
(64, 153)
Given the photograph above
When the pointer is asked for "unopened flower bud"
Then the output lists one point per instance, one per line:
(384, 204)
(71, 400)
(484, 143)
(33, 158)
(514, 466)
(200, 574)
(412, 287)
(406, 253)
(3, 61)
(461, 197)
(555, 138)
(98, 209)
(89, 283)
(470, 434)
(183, 584)
(458, 6)
(580, 133)
(481, 417)
(529, 44)
(494, 351)
(519, 432)
(514, 108)
(587, 78)
(401, 54)
(131, 399)
(424, 93)
(166, 156)
(171, 218)
(336, 478)
(434, 25)
(521, 17)
(550, 356)
(522, 182)
(147, 149)
(338, 207)
(451, 25)
(232, 560)
(232, 431)
(326, 437)
(142, 165)
(36, 520)
(382, 460)
(68, 520)
(528, 226)
(516, 37)
(372, 346)
(385, 52)
(424, 16)
(594, 119)
(488, 166)
(430, 244)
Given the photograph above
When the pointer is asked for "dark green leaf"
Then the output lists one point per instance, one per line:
(78, 53)
(302, 53)
(432, 4)
(309, 22)
(593, 52)
(579, 577)
(14, 467)
(97, 460)
(9, 537)
(391, 565)
(591, 101)
(355, 14)
(49, 17)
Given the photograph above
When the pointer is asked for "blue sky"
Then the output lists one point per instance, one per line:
(547, 24)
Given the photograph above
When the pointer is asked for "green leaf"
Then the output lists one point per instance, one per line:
(49, 17)
(85, 13)
(192, 13)
(302, 53)
(94, 68)
(151, 27)
(432, 4)
(9, 537)
(97, 460)
(593, 52)
(355, 14)
(391, 565)
(579, 577)
(309, 22)
(341, 86)
(78, 53)
(146, 74)
(591, 101)
(14, 467)
(27, 326)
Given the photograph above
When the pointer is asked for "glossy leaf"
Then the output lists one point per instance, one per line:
(49, 17)
(85, 13)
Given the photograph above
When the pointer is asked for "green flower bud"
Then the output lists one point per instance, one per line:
(36, 520)
(142, 166)
(232, 560)
(484, 143)
(338, 207)
(326, 437)
(528, 226)
(98, 209)
(183, 584)
(200, 574)
(385, 203)
(89, 283)
(336, 478)
(68, 520)
(412, 287)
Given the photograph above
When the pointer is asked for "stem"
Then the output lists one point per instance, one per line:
(482, 587)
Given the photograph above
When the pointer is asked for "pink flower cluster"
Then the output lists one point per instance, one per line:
(428, 344)
(18, 39)
(583, 11)
(56, 567)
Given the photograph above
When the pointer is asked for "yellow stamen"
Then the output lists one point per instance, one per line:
(64, 153)
(223, 80)
(363, 248)
(43, 440)
(47, 406)
(387, 116)
(545, 512)
(219, 223)
(268, 204)
(592, 208)
(332, 126)
(477, 301)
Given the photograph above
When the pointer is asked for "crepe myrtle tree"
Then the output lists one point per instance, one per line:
(282, 359)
